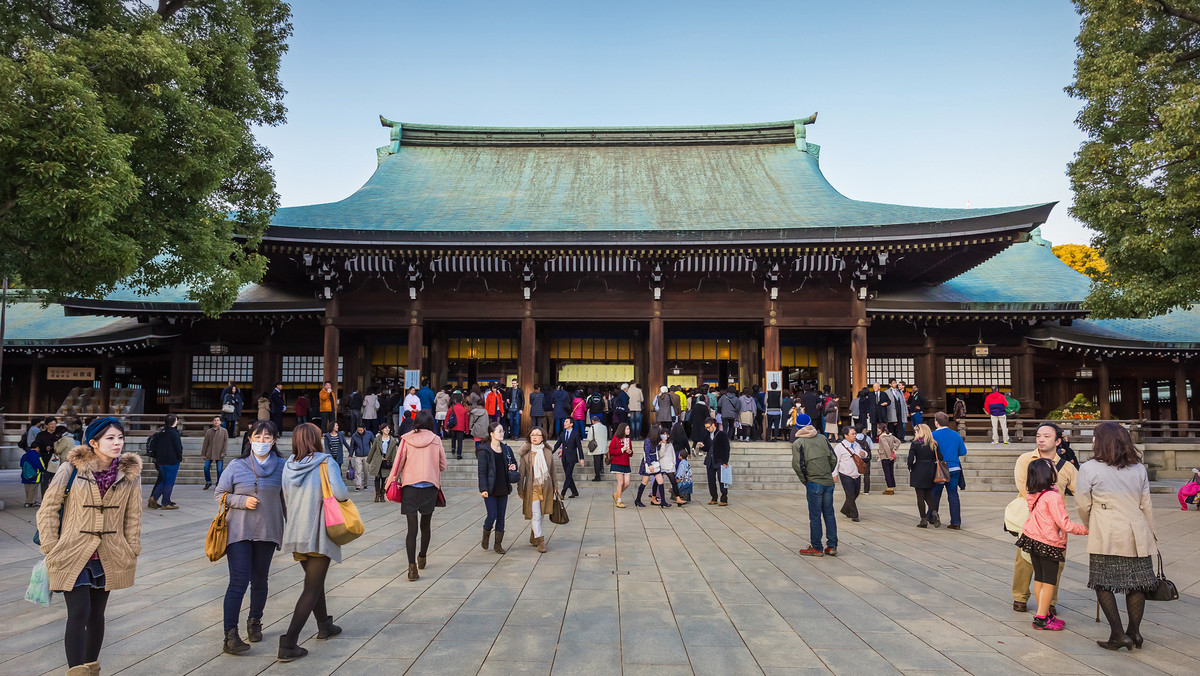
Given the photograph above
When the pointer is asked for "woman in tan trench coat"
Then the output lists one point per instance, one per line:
(94, 548)
(537, 484)
(1113, 499)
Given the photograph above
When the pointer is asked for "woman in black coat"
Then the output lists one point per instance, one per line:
(494, 462)
(865, 407)
(922, 468)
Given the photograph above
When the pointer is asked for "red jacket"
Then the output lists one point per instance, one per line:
(994, 404)
(493, 403)
(460, 417)
(616, 448)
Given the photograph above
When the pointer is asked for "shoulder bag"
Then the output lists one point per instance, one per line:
(393, 482)
(558, 511)
(514, 475)
(342, 521)
(859, 463)
(37, 538)
(942, 470)
(218, 533)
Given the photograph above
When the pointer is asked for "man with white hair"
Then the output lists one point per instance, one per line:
(664, 407)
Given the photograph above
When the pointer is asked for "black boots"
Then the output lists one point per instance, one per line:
(487, 536)
(233, 643)
(326, 628)
(288, 650)
(254, 629)
(499, 539)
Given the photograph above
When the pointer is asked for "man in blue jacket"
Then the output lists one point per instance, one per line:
(952, 449)
(562, 408)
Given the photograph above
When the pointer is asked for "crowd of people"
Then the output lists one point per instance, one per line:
(277, 503)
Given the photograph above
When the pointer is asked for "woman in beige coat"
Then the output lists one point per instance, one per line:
(94, 548)
(1113, 499)
(537, 484)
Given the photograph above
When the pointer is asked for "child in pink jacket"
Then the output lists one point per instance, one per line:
(1190, 493)
(1044, 538)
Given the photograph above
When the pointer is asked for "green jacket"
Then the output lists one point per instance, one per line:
(812, 457)
(1012, 407)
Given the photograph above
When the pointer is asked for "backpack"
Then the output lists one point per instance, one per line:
(28, 472)
(152, 444)
(451, 420)
(1016, 513)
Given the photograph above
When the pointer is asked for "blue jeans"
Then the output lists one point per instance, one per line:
(495, 512)
(820, 506)
(952, 487)
(208, 475)
(249, 565)
(918, 418)
(635, 424)
(514, 424)
(165, 484)
(558, 427)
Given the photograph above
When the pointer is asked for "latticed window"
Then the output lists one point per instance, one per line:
(306, 369)
(882, 369)
(978, 372)
(209, 368)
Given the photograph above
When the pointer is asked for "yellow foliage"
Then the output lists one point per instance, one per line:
(1082, 258)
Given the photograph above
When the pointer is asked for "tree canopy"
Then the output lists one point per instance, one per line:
(1137, 177)
(1082, 258)
(127, 153)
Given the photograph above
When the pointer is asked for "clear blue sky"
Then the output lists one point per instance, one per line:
(921, 102)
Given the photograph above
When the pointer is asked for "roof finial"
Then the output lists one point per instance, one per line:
(392, 148)
(799, 125)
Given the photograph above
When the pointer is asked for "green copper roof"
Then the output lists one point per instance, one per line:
(1024, 277)
(1176, 330)
(630, 181)
(251, 298)
(28, 324)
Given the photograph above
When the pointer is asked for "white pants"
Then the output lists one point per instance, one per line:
(537, 518)
(360, 470)
(1001, 422)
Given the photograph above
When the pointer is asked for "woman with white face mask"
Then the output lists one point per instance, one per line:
(252, 486)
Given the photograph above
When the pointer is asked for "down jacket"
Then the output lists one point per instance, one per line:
(111, 526)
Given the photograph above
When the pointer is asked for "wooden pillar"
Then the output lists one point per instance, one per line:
(106, 383)
(771, 360)
(37, 370)
(525, 363)
(1025, 382)
(180, 378)
(655, 354)
(858, 358)
(926, 377)
(1103, 397)
(416, 338)
(1181, 398)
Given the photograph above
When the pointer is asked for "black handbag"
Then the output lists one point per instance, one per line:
(1165, 590)
(514, 475)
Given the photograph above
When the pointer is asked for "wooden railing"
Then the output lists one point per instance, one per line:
(140, 424)
(974, 427)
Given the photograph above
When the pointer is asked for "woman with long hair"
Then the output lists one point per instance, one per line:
(846, 469)
(656, 445)
(922, 469)
(335, 442)
(92, 546)
(1113, 499)
(418, 470)
(382, 457)
(620, 451)
(252, 486)
(538, 482)
(495, 460)
(304, 533)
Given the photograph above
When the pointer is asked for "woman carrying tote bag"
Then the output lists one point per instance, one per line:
(304, 533)
(418, 471)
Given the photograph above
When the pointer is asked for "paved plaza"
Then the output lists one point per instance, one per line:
(698, 589)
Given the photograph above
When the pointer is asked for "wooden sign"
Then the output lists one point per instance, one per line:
(70, 373)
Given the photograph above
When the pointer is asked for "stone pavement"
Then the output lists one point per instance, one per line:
(699, 589)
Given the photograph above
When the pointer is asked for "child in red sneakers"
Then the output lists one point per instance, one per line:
(1044, 538)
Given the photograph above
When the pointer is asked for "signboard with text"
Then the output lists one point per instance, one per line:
(71, 373)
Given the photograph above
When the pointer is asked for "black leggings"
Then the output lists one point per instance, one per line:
(410, 542)
(312, 599)
(85, 624)
(1045, 570)
(924, 501)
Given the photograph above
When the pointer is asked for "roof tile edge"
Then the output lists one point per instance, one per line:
(416, 134)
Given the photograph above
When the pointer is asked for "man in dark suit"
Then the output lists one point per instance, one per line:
(809, 401)
(570, 447)
(881, 402)
(515, 405)
(717, 457)
(277, 406)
